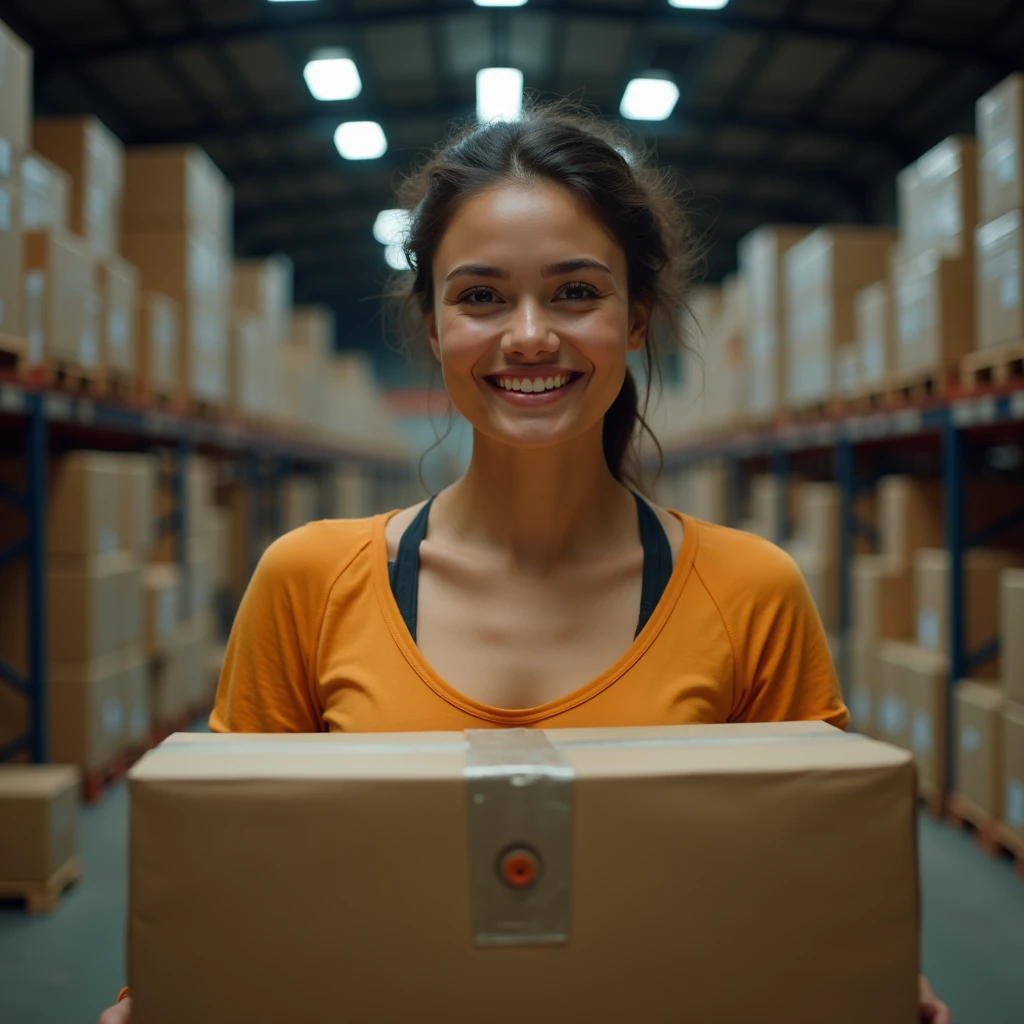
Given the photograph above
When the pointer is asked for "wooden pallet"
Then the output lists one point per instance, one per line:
(119, 384)
(868, 399)
(813, 411)
(993, 837)
(13, 352)
(70, 376)
(922, 386)
(1003, 365)
(42, 897)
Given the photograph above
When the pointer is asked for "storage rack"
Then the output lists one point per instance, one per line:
(949, 436)
(36, 420)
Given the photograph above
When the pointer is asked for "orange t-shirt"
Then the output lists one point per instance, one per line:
(319, 644)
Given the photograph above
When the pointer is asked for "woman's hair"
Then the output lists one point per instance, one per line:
(593, 161)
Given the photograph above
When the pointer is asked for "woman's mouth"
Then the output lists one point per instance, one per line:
(533, 390)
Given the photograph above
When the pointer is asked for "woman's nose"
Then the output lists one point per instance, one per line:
(528, 330)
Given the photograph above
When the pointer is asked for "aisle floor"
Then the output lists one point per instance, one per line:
(65, 968)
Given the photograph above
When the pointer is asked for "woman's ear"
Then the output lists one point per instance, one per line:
(639, 321)
(430, 320)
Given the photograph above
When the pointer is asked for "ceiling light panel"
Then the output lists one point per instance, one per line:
(333, 78)
(360, 140)
(499, 94)
(649, 99)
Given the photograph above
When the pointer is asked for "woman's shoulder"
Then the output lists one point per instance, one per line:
(318, 549)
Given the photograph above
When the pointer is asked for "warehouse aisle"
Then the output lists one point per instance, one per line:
(66, 968)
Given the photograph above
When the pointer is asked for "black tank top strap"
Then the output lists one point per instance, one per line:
(405, 569)
(657, 560)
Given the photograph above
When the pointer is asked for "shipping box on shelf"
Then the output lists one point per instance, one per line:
(999, 265)
(979, 738)
(157, 336)
(118, 287)
(864, 684)
(61, 304)
(12, 260)
(263, 288)
(313, 328)
(761, 255)
(882, 607)
(1013, 770)
(1000, 118)
(45, 194)
(300, 502)
(38, 820)
(15, 98)
(138, 503)
(823, 273)
(1011, 632)
(94, 158)
(162, 585)
(609, 904)
(252, 367)
(352, 491)
(84, 504)
(909, 517)
(874, 332)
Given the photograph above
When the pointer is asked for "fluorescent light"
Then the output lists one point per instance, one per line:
(394, 256)
(360, 140)
(649, 99)
(499, 3)
(391, 226)
(285, 1)
(332, 78)
(698, 5)
(499, 94)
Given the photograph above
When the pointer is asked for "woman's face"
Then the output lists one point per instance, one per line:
(532, 320)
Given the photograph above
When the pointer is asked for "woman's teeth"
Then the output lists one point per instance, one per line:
(530, 385)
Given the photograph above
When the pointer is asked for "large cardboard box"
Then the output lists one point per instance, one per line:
(138, 715)
(882, 606)
(251, 366)
(38, 819)
(15, 97)
(822, 579)
(163, 587)
(12, 261)
(1000, 117)
(94, 158)
(823, 273)
(157, 336)
(97, 602)
(910, 516)
(1013, 769)
(999, 262)
(300, 391)
(118, 286)
(874, 330)
(45, 192)
(84, 504)
(173, 188)
(761, 255)
(979, 739)
(893, 711)
(982, 568)
(934, 299)
(263, 288)
(612, 814)
(864, 685)
(139, 481)
(312, 328)
(61, 313)
(1011, 632)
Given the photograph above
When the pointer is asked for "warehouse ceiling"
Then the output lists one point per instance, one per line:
(793, 110)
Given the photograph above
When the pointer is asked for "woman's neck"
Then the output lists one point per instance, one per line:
(539, 506)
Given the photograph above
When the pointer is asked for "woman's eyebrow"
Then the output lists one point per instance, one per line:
(568, 266)
(477, 270)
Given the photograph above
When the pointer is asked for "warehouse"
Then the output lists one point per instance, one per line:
(209, 215)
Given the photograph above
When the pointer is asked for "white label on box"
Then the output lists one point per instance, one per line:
(108, 540)
(5, 210)
(1004, 159)
(970, 740)
(928, 629)
(1015, 804)
(921, 732)
(1009, 291)
(5, 158)
(113, 717)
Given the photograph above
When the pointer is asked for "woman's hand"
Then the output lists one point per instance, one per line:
(933, 1010)
(121, 1014)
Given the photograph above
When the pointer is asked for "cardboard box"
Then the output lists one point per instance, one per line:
(1000, 117)
(175, 188)
(874, 330)
(139, 482)
(118, 286)
(882, 607)
(819, 572)
(94, 158)
(893, 710)
(15, 97)
(848, 372)
(708, 493)
(98, 602)
(61, 304)
(999, 251)
(1013, 769)
(83, 505)
(163, 586)
(761, 255)
(301, 500)
(937, 201)
(38, 816)
(251, 364)
(134, 682)
(910, 516)
(934, 300)
(312, 328)
(979, 739)
(642, 803)
(157, 337)
(864, 685)
(300, 388)
(45, 192)
(263, 288)
(218, 542)
(12, 261)
(823, 274)
(982, 568)
(197, 590)
(1011, 632)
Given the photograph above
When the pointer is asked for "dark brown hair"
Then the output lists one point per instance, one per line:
(635, 202)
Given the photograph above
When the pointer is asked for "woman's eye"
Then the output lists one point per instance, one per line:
(479, 296)
(578, 290)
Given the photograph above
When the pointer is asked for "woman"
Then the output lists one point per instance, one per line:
(538, 590)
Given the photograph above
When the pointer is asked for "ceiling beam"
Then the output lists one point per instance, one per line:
(269, 23)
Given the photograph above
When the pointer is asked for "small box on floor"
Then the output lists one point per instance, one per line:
(343, 812)
(38, 820)
(979, 739)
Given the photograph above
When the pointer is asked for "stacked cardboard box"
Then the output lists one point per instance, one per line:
(158, 338)
(761, 260)
(15, 121)
(304, 394)
(1011, 760)
(933, 276)
(177, 231)
(352, 489)
(815, 548)
(301, 502)
(999, 240)
(45, 195)
(822, 275)
(357, 414)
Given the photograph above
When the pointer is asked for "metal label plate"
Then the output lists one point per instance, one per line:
(519, 797)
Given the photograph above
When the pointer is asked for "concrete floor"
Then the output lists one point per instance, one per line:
(65, 968)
